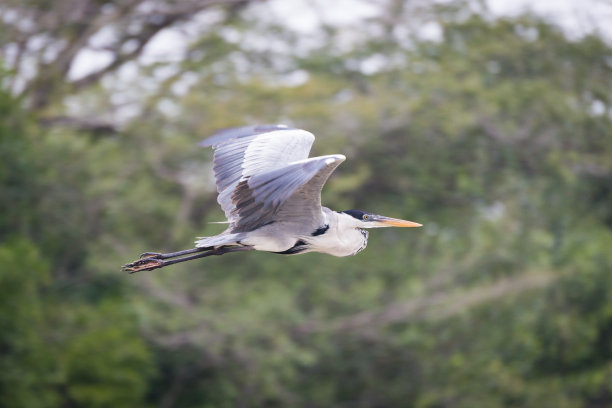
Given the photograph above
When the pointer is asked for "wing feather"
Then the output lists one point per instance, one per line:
(288, 194)
(242, 153)
(303, 207)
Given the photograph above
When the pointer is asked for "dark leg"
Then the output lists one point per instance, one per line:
(153, 262)
(157, 255)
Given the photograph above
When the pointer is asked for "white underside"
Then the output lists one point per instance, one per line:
(343, 238)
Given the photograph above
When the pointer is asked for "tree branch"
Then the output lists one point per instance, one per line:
(96, 126)
(69, 30)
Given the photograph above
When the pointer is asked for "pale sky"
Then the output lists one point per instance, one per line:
(576, 16)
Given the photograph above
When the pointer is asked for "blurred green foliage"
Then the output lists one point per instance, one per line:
(498, 138)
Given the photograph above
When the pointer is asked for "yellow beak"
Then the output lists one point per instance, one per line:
(394, 222)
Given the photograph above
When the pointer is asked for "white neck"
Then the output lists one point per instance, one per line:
(346, 236)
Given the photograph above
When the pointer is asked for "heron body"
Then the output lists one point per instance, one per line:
(337, 235)
(270, 191)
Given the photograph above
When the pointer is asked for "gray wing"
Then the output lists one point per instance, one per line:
(303, 208)
(241, 153)
(290, 194)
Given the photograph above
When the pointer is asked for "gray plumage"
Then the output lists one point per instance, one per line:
(263, 175)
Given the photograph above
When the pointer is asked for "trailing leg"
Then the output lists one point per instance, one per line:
(157, 255)
(151, 261)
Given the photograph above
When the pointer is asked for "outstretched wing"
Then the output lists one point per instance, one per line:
(241, 153)
(303, 208)
(290, 194)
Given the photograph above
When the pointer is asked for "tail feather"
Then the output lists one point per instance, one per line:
(217, 240)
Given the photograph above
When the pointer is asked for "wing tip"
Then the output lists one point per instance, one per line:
(223, 135)
(334, 158)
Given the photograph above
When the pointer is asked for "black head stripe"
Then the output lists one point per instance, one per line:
(358, 214)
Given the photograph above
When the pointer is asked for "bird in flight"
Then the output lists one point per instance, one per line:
(270, 191)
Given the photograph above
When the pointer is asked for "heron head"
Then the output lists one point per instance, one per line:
(365, 219)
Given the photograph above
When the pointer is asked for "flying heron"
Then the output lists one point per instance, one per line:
(270, 192)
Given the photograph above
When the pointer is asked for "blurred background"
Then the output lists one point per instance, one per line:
(489, 123)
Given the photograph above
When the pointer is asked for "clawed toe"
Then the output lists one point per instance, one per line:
(145, 264)
(151, 255)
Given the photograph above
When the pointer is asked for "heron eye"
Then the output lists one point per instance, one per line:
(366, 217)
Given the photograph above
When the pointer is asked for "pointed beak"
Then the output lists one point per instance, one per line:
(394, 222)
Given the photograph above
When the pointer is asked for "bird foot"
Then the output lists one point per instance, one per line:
(143, 264)
(156, 255)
